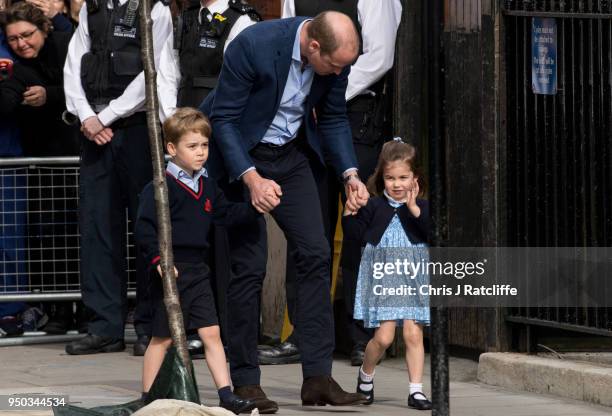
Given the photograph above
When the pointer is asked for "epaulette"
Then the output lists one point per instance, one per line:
(244, 8)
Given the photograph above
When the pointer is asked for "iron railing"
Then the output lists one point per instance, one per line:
(39, 236)
(559, 147)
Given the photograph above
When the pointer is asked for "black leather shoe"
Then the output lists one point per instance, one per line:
(93, 344)
(283, 353)
(419, 404)
(322, 390)
(61, 320)
(256, 394)
(141, 344)
(357, 354)
(238, 405)
(369, 395)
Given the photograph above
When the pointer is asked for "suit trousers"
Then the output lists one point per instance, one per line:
(299, 217)
(329, 186)
(111, 179)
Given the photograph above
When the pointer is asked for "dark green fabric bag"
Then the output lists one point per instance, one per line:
(172, 382)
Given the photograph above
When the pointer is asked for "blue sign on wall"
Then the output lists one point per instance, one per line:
(544, 56)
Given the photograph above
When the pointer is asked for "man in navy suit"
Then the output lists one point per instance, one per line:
(278, 76)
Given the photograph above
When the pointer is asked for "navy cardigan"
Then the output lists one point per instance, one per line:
(371, 221)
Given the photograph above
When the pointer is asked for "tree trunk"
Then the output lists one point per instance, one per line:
(164, 231)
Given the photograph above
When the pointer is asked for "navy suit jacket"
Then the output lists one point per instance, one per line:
(251, 84)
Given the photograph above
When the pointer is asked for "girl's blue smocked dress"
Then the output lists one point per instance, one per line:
(373, 309)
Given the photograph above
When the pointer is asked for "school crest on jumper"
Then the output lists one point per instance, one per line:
(207, 205)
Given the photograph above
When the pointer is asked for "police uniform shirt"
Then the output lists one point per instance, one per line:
(169, 73)
(379, 21)
(133, 98)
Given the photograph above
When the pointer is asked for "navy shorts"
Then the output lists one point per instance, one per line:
(195, 294)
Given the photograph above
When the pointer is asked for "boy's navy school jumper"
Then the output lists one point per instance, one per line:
(192, 215)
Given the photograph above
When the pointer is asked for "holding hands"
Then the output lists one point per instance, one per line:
(356, 194)
(265, 193)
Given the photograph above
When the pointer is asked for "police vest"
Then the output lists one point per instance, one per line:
(114, 57)
(200, 47)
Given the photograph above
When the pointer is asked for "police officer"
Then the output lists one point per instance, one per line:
(105, 89)
(191, 61)
(366, 96)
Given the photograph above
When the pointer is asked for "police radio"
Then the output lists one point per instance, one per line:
(130, 14)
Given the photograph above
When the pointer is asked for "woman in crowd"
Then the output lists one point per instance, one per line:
(33, 96)
(35, 91)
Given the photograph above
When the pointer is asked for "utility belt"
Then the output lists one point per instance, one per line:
(199, 82)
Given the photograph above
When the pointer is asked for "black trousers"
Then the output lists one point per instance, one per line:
(299, 216)
(111, 179)
(367, 148)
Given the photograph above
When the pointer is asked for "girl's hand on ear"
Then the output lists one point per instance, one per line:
(411, 196)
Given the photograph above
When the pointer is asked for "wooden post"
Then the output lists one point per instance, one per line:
(164, 231)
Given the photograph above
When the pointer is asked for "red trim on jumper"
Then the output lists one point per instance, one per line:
(155, 260)
(188, 189)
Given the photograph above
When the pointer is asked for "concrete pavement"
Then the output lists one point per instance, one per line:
(115, 378)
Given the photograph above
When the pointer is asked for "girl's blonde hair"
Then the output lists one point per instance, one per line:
(393, 151)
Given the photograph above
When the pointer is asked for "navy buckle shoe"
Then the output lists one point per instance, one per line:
(238, 405)
(419, 404)
(369, 395)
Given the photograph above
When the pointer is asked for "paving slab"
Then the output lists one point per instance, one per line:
(579, 380)
(115, 378)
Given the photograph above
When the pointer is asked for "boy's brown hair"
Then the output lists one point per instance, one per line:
(185, 120)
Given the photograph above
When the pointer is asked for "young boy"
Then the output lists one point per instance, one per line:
(195, 202)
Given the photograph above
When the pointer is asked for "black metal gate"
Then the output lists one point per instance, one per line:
(559, 147)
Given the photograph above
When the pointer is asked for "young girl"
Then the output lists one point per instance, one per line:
(393, 226)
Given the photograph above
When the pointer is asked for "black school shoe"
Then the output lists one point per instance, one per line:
(93, 344)
(419, 404)
(369, 395)
(238, 405)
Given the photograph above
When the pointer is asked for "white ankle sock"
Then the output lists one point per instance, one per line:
(417, 388)
(367, 380)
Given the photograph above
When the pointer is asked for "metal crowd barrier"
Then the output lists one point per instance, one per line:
(39, 235)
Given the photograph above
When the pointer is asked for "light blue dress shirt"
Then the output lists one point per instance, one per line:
(290, 113)
(192, 182)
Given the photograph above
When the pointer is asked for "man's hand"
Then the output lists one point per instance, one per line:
(356, 194)
(103, 137)
(45, 6)
(159, 270)
(265, 193)
(35, 96)
(92, 126)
